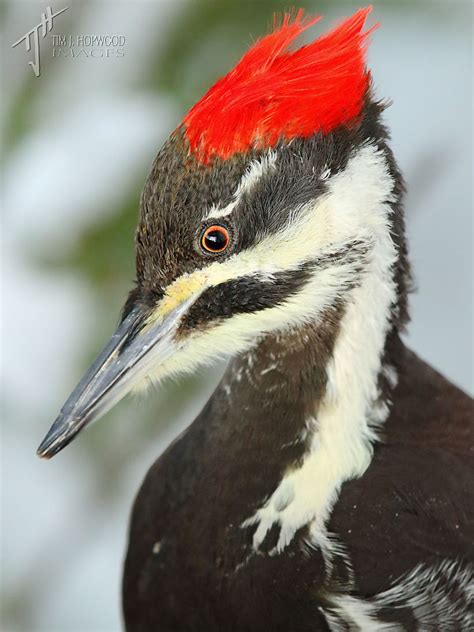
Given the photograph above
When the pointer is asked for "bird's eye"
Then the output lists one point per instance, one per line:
(215, 239)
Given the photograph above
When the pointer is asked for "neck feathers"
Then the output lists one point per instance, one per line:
(343, 365)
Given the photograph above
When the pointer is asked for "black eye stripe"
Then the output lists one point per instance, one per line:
(243, 296)
(248, 294)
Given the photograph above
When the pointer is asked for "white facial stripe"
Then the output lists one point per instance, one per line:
(335, 220)
(318, 228)
(307, 236)
(216, 212)
(254, 172)
(352, 210)
(236, 334)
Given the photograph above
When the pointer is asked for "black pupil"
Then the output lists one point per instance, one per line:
(215, 240)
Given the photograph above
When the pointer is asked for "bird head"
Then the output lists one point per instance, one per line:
(261, 211)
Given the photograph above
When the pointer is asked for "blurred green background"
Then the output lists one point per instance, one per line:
(77, 143)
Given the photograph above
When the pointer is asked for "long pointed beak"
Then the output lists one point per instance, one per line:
(133, 351)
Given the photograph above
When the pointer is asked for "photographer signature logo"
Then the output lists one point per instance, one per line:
(46, 25)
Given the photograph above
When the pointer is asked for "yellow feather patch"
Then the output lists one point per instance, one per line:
(177, 293)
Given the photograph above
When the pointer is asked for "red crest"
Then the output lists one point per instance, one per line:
(274, 93)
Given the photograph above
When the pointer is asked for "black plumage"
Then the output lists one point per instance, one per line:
(190, 565)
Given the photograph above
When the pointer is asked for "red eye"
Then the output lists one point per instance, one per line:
(215, 239)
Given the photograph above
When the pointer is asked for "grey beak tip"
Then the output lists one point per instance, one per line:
(57, 438)
(43, 453)
(48, 447)
(43, 450)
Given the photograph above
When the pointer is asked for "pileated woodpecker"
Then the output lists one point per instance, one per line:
(327, 482)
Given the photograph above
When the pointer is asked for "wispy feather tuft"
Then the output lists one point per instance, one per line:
(274, 93)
